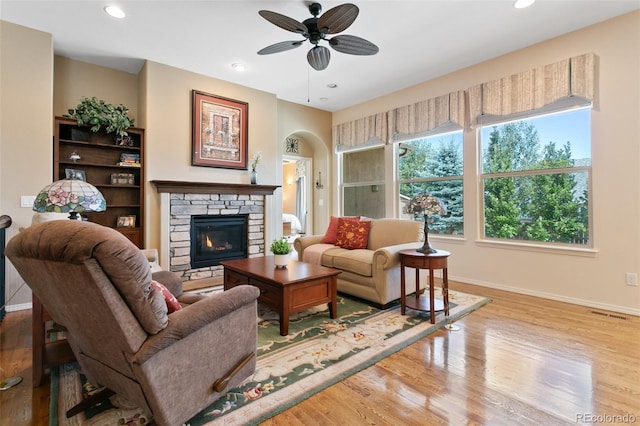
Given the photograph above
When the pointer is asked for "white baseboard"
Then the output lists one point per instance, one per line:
(551, 296)
(20, 307)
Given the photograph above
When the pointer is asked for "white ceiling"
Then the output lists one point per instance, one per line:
(419, 40)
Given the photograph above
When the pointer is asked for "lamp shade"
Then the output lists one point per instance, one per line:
(425, 203)
(71, 196)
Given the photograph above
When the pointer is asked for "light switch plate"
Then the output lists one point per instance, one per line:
(27, 200)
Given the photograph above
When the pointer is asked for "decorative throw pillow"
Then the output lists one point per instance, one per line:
(332, 230)
(172, 303)
(353, 234)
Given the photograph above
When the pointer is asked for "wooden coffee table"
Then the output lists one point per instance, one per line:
(295, 288)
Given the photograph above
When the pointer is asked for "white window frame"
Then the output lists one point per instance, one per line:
(536, 245)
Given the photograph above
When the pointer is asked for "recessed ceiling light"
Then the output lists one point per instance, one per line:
(115, 11)
(324, 99)
(521, 4)
(238, 67)
(332, 85)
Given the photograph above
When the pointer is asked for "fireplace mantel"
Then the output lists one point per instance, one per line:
(181, 187)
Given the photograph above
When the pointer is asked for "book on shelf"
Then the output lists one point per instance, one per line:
(127, 164)
(129, 158)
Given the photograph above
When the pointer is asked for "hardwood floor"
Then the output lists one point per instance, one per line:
(518, 360)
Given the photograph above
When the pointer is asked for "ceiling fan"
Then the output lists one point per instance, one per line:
(316, 29)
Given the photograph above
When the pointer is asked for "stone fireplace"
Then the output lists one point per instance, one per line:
(186, 202)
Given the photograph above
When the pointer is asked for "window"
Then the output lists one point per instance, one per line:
(363, 183)
(536, 177)
(435, 165)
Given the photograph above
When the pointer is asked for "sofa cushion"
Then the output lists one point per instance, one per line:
(331, 234)
(357, 261)
(330, 254)
(353, 234)
(390, 232)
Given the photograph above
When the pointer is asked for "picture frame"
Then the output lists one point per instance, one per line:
(75, 174)
(127, 221)
(219, 131)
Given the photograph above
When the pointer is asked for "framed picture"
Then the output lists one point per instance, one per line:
(219, 131)
(127, 221)
(75, 174)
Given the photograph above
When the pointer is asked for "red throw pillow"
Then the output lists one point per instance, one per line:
(353, 234)
(172, 303)
(331, 235)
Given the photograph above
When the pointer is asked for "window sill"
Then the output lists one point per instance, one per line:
(540, 248)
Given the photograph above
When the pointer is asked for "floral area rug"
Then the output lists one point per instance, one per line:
(318, 352)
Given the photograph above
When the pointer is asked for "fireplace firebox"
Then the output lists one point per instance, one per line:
(218, 238)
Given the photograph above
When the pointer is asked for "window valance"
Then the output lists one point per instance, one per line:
(423, 117)
(370, 130)
(402, 123)
(566, 82)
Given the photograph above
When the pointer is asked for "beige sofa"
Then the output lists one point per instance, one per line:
(372, 273)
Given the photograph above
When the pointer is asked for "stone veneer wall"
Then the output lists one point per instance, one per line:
(183, 206)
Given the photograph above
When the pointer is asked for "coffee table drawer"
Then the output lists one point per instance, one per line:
(232, 279)
(270, 294)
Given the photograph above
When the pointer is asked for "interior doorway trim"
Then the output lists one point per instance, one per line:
(309, 189)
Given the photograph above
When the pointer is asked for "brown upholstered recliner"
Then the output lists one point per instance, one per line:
(97, 284)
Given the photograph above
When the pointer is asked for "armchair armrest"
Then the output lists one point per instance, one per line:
(301, 243)
(388, 257)
(193, 317)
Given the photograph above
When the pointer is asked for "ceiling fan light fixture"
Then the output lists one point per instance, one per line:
(115, 12)
(521, 4)
(315, 29)
(318, 58)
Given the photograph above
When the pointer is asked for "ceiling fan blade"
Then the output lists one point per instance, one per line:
(318, 58)
(280, 47)
(338, 19)
(283, 22)
(353, 45)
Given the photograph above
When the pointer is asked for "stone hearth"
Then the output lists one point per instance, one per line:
(187, 199)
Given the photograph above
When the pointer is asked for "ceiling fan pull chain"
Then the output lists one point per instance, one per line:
(308, 85)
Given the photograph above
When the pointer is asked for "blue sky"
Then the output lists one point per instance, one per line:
(573, 126)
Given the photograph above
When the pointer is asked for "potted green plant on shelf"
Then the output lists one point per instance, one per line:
(280, 249)
(99, 114)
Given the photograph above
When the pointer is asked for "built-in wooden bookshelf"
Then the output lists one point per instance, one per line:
(102, 161)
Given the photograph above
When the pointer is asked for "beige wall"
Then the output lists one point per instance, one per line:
(591, 278)
(26, 123)
(73, 80)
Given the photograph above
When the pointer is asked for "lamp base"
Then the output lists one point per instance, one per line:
(427, 249)
(9, 382)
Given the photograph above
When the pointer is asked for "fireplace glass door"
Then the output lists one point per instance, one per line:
(217, 238)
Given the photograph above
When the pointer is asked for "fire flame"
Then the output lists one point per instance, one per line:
(209, 243)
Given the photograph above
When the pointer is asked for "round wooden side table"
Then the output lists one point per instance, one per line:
(431, 261)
